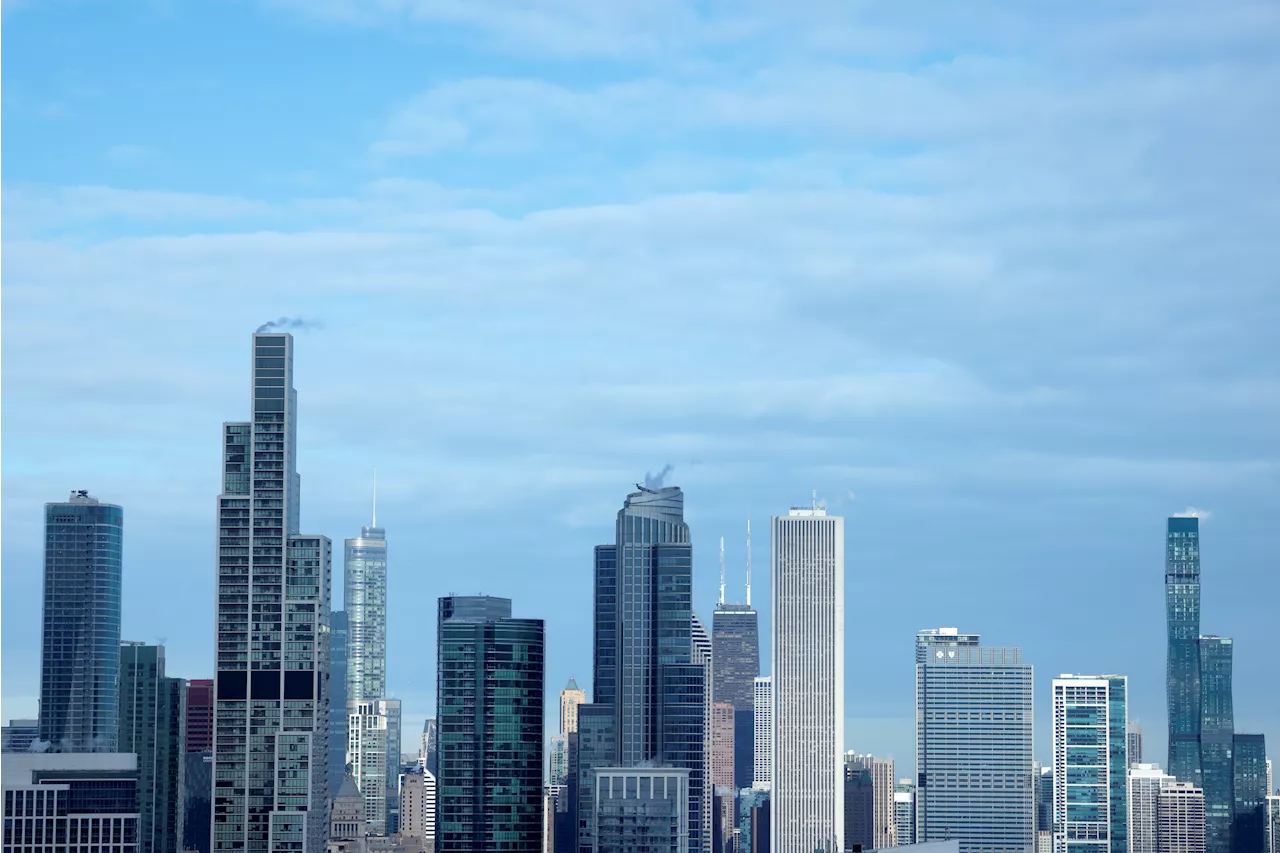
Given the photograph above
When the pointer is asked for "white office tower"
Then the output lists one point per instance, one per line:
(371, 737)
(762, 776)
(1090, 772)
(1181, 819)
(1146, 781)
(807, 548)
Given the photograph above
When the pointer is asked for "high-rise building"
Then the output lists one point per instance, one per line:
(490, 680)
(1043, 779)
(87, 803)
(19, 735)
(338, 722)
(722, 746)
(1182, 674)
(369, 739)
(200, 715)
(1182, 819)
(1090, 768)
(1217, 732)
(1273, 822)
(904, 812)
(807, 648)
(80, 642)
(973, 743)
(558, 761)
(735, 640)
(570, 698)
(1146, 781)
(429, 748)
(152, 727)
(197, 801)
(651, 670)
(271, 711)
(1134, 739)
(1249, 789)
(417, 808)
(753, 820)
(346, 820)
(762, 774)
(642, 809)
(883, 834)
(859, 808)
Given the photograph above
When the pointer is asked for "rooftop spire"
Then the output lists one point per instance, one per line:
(722, 571)
(375, 496)
(748, 562)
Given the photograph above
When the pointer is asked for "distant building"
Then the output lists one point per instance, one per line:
(152, 725)
(1182, 819)
(1043, 781)
(973, 709)
(490, 681)
(337, 679)
(418, 811)
(904, 812)
(369, 739)
(199, 722)
(883, 827)
(1182, 674)
(1090, 771)
(859, 808)
(808, 682)
(753, 820)
(80, 639)
(558, 759)
(570, 698)
(347, 829)
(1249, 828)
(19, 735)
(762, 777)
(1146, 781)
(197, 782)
(722, 719)
(1217, 734)
(1134, 738)
(641, 809)
(735, 640)
(59, 803)
(1273, 822)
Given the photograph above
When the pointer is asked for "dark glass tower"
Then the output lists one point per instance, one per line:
(489, 685)
(645, 672)
(271, 706)
(80, 644)
(1249, 822)
(152, 726)
(1182, 674)
(1217, 733)
(735, 648)
(337, 702)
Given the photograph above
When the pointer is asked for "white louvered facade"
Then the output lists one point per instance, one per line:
(807, 548)
(762, 777)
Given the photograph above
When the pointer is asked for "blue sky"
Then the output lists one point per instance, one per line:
(997, 280)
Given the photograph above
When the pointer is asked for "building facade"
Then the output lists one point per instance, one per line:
(1182, 819)
(1182, 671)
(641, 809)
(82, 802)
(153, 727)
(762, 760)
(365, 603)
(271, 707)
(490, 681)
(19, 735)
(1217, 734)
(1090, 767)
(753, 820)
(200, 715)
(1134, 743)
(904, 812)
(973, 744)
(80, 640)
(370, 740)
(735, 642)
(1146, 781)
(722, 719)
(197, 801)
(859, 808)
(883, 821)
(807, 802)
(337, 761)
(570, 698)
(1249, 829)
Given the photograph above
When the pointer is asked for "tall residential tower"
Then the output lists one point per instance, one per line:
(1182, 672)
(271, 711)
(1090, 768)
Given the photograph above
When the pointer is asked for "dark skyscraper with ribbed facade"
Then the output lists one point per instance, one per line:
(490, 685)
(1182, 674)
(80, 642)
(649, 695)
(271, 699)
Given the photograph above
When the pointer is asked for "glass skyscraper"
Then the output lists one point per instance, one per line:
(735, 644)
(372, 736)
(1217, 732)
(80, 642)
(271, 712)
(1182, 673)
(337, 702)
(973, 744)
(1249, 820)
(490, 684)
(1090, 767)
(153, 727)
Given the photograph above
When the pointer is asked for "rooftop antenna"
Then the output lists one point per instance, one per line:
(375, 496)
(748, 562)
(722, 571)
(815, 498)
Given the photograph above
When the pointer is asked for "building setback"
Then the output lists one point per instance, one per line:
(271, 707)
(153, 727)
(490, 680)
(973, 743)
(1090, 769)
(807, 802)
(80, 640)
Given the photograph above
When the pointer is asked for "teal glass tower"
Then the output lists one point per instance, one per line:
(1182, 673)
(1090, 764)
(1249, 821)
(153, 727)
(80, 641)
(1217, 735)
(490, 683)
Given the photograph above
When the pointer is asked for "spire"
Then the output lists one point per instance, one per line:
(722, 571)
(375, 497)
(748, 562)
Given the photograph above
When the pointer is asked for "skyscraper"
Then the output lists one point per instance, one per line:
(365, 602)
(1135, 743)
(808, 682)
(904, 812)
(1090, 770)
(973, 743)
(153, 727)
(883, 834)
(735, 641)
(200, 715)
(76, 802)
(80, 643)
(1146, 781)
(762, 773)
(370, 739)
(337, 762)
(1182, 819)
(490, 680)
(1182, 674)
(1249, 818)
(648, 675)
(570, 698)
(1217, 731)
(722, 746)
(271, 712)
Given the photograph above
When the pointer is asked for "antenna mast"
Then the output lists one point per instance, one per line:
(748, 562)
(722, 571)
(375, 497)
